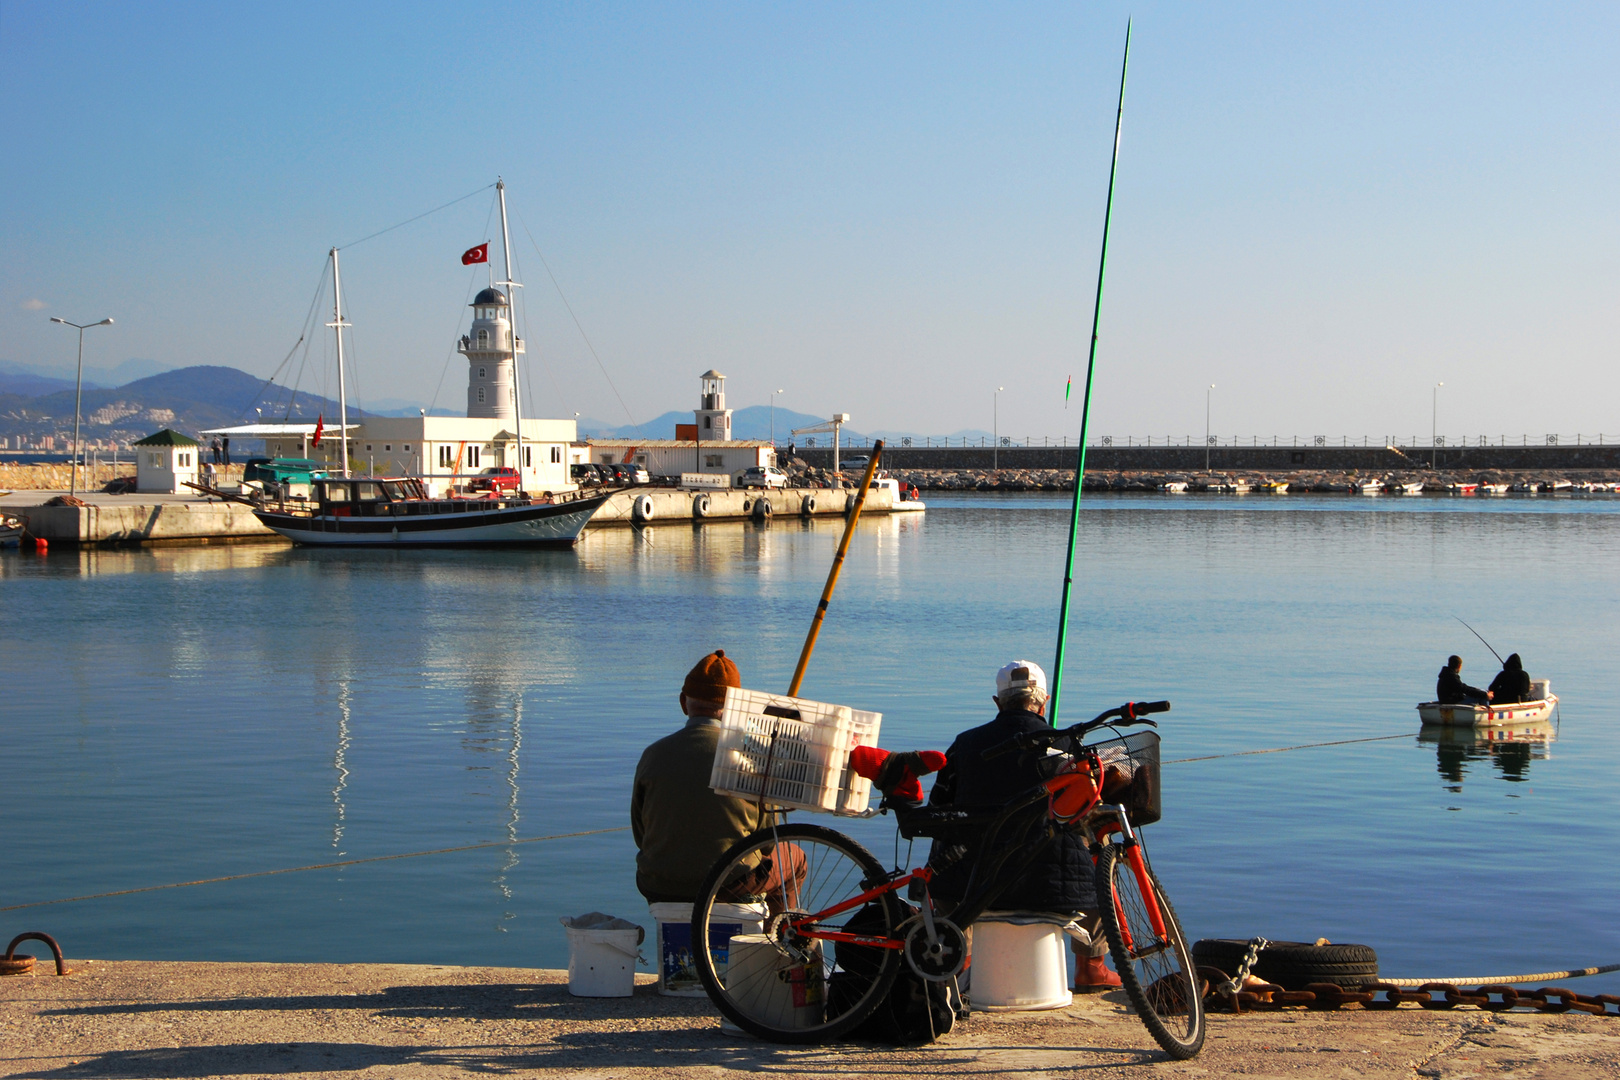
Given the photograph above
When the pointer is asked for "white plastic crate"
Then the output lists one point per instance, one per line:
(804, 743)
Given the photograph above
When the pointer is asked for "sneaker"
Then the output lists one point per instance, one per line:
(1093, 976)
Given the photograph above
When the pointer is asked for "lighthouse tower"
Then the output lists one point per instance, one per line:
(491, 350)
(713, 418)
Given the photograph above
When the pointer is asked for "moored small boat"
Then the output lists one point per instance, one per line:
(1462, 489)
(1413, 488)
(1369, 487)
(1493, 489)
(1276, 487)
(1492, 715)
(11, 530)
(1173, 487)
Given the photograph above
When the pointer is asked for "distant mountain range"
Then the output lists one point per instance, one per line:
(754, 422)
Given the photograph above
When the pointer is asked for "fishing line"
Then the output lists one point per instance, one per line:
(1276, 750)
(318, 866)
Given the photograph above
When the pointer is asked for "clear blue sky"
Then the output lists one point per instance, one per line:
(882, 209)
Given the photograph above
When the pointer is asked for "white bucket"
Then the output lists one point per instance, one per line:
(677, 967)
(1020, 962)
(602, 961)
(768, 984)
(1539, 689)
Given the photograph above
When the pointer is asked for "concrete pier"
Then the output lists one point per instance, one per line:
(135, 519)
(133, 1020)
(663, 505)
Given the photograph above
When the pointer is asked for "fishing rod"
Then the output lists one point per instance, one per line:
(1085, 404)
(1487, 644)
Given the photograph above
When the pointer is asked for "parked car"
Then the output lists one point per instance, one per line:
(853, 463)
(586, 474)
(628, 472)
(495, 478)
(760, 476)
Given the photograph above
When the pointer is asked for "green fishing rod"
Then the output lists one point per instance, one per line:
(1085, 402)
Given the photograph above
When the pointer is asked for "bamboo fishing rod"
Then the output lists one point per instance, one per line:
(832, 575)
(1085, 403)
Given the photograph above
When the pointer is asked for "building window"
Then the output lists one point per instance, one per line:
(445, 458)
(155, 460)
(480, 373)
(607, 459)
(556, 455)
(714, 461)
(480, 395)
(472, 457)
(483, 339)
(368, 448)
(706, 423)
(388, 448)
(407, 448)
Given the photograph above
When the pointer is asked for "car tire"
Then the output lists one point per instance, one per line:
(1293, 964)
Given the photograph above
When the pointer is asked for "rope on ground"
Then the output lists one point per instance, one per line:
(318, 866)
(1283, 749)
(1497, 980)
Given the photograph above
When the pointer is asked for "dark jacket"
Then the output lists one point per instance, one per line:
(681, 827)
(1061, 880)
(1451, 690)
(1512, 683)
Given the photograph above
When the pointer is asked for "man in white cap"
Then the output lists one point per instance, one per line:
(1061, 881)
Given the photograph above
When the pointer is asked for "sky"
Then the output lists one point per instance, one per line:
(889, 210)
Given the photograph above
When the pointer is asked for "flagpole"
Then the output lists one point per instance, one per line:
(511, 288)
(1085, 404)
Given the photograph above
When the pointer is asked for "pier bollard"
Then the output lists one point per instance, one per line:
(13, 964)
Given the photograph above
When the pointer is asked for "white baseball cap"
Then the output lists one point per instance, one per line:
(1020, 675)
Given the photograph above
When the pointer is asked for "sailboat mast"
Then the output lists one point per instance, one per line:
(337, 324)
(511, 290)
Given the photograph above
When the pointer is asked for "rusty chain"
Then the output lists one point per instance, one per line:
(1497, 997)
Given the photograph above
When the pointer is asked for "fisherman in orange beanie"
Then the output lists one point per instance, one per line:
(681, 826)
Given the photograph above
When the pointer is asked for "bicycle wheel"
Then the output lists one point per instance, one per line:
(792, 983)
(1158, 973)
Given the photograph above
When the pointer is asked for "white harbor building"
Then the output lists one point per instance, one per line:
(703, 446)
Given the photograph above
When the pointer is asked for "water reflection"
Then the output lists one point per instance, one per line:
(1509, 750)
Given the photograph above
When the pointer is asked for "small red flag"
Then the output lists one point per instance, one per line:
(320, 426)
(476, 255)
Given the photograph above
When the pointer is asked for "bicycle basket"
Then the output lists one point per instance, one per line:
(1131, 774)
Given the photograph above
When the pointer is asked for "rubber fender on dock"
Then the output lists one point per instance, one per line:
(807, 505)
(641, 508)
(701, 505)
(1293, 964)
(849, 502)
(762, 509)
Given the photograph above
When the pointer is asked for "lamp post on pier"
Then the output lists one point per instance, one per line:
(1207, 394)
(1434, 426)
(995, 429)
(78, 396)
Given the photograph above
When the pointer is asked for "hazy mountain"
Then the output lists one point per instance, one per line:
(13, 377)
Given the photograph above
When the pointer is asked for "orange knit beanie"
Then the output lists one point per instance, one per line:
(708, 680)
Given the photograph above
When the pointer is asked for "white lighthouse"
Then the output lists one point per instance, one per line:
(491, 349)
(713, 418)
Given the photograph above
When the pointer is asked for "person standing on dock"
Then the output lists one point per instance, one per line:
(681, 826)
(1512, 683)
(1061, 881)
(1451, 690)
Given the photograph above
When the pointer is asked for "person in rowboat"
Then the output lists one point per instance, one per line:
(1512, 683)
(1061, 882)
(1451, 690)
(681, 826)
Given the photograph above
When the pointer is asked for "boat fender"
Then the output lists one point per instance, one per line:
(700, 506)
(849, 502)
(807, 505)
(641, 508)
(762, 509)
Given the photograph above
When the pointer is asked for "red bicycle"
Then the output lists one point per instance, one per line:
(839, 927)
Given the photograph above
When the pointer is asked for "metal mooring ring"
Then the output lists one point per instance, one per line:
(12, 964)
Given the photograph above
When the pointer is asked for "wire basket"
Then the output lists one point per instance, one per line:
(794, 749)
(1131, 774)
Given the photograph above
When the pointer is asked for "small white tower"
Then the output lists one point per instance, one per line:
(713, 418)
(490, 350)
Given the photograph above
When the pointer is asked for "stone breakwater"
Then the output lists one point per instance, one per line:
(1299, 481)
(92, 477)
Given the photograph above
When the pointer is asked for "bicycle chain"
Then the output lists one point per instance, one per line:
(1492, 998)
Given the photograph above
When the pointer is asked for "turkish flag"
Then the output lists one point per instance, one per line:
(476, 255)
(320, 426)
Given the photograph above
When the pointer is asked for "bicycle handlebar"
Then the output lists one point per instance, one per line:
(1132, 712)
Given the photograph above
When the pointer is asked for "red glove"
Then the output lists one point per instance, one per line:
(896, 775)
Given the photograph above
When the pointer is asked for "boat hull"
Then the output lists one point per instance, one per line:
(1432, 713)
(545, 525)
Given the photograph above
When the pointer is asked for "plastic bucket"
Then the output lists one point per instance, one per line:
(677, 967)
(602, 963)
(1020, 962)
(769, 984)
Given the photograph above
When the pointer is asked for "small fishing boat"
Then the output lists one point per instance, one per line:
(1276, 487)
(901, 499)
(1490, 715)
(397, 512)
(1413, 488)
(1527, 487)
(1493, 489)
(1173, 487)
(1558, 485)
(1236, 487)
(1462, 489)
(1369, 487)
(11, 530)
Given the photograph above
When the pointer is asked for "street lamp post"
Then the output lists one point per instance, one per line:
(773, 417)
(1207, 394)
(78, 397)
(995, 428)
(1434, 426)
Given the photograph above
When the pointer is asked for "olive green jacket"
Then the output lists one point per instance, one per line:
(680, 825)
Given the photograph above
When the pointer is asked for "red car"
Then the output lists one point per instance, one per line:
(495, 478)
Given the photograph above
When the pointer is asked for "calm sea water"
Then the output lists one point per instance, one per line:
(175, 714)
